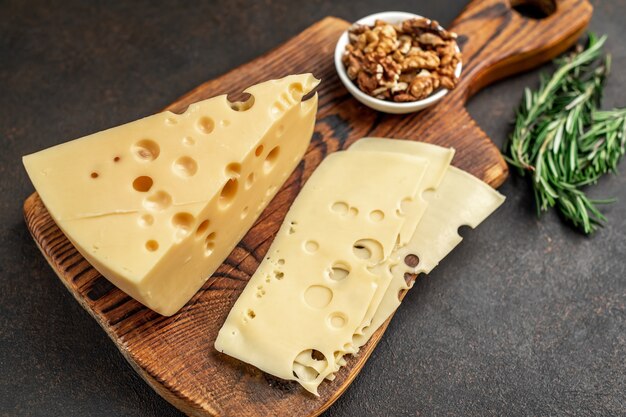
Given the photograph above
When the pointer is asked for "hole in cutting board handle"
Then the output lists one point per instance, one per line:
(534, 9)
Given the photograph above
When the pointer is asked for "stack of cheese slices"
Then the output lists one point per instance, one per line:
(369, 217)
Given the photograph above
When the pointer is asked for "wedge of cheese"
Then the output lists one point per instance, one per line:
(313, 290)
(156, 205)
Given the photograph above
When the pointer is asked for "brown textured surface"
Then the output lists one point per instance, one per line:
(171, 353)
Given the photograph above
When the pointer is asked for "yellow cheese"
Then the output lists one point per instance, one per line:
(461, 199)
(308, 297)
(156, 205)
(438, 159)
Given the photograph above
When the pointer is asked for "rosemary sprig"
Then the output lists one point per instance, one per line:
(563, 141)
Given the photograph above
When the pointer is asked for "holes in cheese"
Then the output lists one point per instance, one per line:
(404, 207)
(459, 199)
(270, 159)
(234, 169)
(206, 125)
(158, 201)
(142, 183)
(249, 180)
(339, 271)
(311, 246)
(337, 320)
(319, 288)
(202, 227)
(146, 150)
(245, 104)
(438, 161)
(370, 250)
(182, 223)
(411, 260)
(343, 270)
(340, 207)
(308, 365)
(158, 221)
(185, 166)
(229, 192)
(296, 91)
(209, 244)
(376, 215)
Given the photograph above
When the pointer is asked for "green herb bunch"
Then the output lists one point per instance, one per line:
(562, 139)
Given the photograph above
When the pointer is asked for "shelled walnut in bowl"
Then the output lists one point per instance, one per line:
(402, 62)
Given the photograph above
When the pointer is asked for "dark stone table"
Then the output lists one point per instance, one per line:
(526, 318)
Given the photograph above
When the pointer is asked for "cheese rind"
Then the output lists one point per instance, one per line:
(313, 289)
(157, 204)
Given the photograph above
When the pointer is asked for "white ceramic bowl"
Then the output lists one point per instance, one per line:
(375, 103)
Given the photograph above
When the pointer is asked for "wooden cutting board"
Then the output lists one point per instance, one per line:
(175, 355)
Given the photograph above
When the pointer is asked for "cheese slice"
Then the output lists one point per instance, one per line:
(460, 200)
(310, 294)
(157, 204)
(438, 159)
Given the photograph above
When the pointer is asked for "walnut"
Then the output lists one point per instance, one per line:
(417, 26)
(448, 70)
(353, 61)
(404, 97)
(436, 80)
(366, 82)
(407, 77)
(379, 91)
(422, 86)
(401, 86)
(402, 62)
(417, 58)
(391, 69)
(371, 39)
(382, 39)
(430, 39)
(448, 53)
(405, 44)
(448, 82)
(357, 29)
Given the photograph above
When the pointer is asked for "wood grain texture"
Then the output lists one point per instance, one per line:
(175, 354)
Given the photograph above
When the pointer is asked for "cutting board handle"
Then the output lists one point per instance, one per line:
(498, 41)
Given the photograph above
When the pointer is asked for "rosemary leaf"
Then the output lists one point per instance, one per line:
(563, 141)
